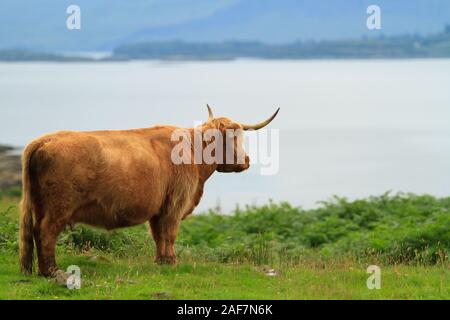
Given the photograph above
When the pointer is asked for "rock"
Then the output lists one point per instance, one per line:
(4, 149)
(60, 278)
(272, 273)
(10, 168)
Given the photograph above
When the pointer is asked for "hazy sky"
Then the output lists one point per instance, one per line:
(105, 24)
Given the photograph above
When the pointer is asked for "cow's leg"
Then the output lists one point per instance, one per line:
(155, 227)
(165, 231)
(46, 232)
(171, 232)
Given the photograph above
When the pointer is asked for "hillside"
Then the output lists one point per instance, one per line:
(272, 21)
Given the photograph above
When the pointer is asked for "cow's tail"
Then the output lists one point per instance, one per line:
(26, 240)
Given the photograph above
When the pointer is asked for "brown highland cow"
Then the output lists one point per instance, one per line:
(113, 179)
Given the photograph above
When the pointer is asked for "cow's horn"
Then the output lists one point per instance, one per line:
(261, 124)
(210, 113)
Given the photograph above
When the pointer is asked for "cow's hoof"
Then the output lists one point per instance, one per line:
(166, 260)
(60, 278)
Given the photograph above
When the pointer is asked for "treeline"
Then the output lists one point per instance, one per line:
(408, 46)
(17, 55)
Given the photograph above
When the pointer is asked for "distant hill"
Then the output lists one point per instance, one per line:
(284, 21)
(108, 24)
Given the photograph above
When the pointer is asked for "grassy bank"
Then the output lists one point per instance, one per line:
(321, 253)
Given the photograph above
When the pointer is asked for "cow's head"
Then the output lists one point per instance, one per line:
(233, 140)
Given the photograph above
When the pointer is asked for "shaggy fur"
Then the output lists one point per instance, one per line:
(109, 179)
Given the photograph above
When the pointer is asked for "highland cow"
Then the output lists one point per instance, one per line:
(114, 179)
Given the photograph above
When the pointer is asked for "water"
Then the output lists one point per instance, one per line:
(350, 128)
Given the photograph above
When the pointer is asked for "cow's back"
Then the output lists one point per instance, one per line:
(106, 178)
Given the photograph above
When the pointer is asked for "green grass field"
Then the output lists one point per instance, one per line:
(316, 254)
(139, 278)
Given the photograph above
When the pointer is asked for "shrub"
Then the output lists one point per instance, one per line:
(401, 228)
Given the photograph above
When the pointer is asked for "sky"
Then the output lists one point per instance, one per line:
(42, 25)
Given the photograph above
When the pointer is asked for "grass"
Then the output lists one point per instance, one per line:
(138, 278)
(316, 254)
